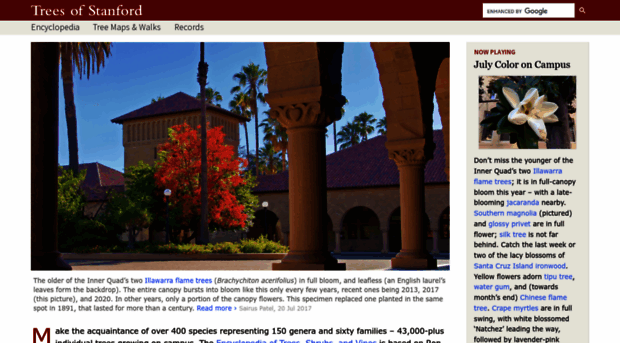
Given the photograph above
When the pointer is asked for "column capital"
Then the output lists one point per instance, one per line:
(407, 152)
(408, 157)
(307, 107)
(299, 115)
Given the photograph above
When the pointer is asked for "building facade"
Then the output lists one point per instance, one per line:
(147, 127)
(363, 201)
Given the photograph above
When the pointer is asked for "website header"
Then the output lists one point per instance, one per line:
(318, 10)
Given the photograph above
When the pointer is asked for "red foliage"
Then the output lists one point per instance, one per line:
(179, 171)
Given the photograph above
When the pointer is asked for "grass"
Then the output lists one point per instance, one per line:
(245, 246)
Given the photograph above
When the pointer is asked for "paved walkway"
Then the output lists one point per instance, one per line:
(352, 264)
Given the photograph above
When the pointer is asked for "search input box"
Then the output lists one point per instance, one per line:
(531, 11)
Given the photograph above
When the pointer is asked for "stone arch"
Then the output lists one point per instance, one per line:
(361, 230)
(444, 224)
(265, 223)
(401, 94)
(331, 234)
(394, 233)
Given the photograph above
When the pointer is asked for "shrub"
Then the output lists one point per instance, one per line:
(274, 247)
(246, 246)
(250, 246)
(226, 248)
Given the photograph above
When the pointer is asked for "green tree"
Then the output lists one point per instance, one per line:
(71, 198)
(382, 126)
(74, 228)
(365, 123)
(240, 104)
(81, 58)
(136, 208)
(275, 133)
(269, 160)
(342, 110)
(250, 79)
(154, 100)
(246, 197)
(212, 96)
(349, 135)
(126, 212)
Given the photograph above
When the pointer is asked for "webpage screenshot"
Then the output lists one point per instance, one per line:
(291, 173)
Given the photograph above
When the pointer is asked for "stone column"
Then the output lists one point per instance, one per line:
(305, 123)
(44, 159)
(413, 255)
(435, 241)
(285, 237)
(386, 240)
(442, 93)
(305, 95)
(337, 250)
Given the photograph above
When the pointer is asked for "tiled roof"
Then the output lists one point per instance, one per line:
(179, 102)
(99, 180)
(363, 165)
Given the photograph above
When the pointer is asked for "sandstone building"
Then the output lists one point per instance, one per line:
(147, 127)
(363, 201)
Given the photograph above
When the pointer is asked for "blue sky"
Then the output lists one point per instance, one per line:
(137, 72)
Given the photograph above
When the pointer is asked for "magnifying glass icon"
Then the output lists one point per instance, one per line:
(582, 10)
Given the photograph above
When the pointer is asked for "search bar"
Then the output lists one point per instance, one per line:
(532, 11)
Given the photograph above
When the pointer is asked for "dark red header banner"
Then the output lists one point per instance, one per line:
(279, 10)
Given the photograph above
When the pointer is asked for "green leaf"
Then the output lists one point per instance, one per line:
(504, 126)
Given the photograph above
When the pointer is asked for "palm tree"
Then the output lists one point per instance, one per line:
(342, 110)
(365, 121)
(154, 100)
(80, 57)
(250, 79)
(276, 135)
(212, 96)
(269, 160)
(382, 126)
(349, 135)
(240, 105)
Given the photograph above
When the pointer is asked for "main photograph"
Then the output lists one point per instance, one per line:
(240, 156)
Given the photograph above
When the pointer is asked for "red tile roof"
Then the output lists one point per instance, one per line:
(99, 180)
(363, 165)
(179, 102)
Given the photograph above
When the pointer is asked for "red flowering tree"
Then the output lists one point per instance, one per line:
(178, 169)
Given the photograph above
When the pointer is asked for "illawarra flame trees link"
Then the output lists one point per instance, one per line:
(179, 170)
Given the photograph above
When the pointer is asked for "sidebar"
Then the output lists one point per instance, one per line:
(527, 192)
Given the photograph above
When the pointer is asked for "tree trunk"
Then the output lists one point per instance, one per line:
(335, 144)
(70, 112)
(558, 134)
(203, 230)
(247, 139)
(132, 237)
(256, 138)
(255, 112)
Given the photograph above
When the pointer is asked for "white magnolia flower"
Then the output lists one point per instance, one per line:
(533, 109)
